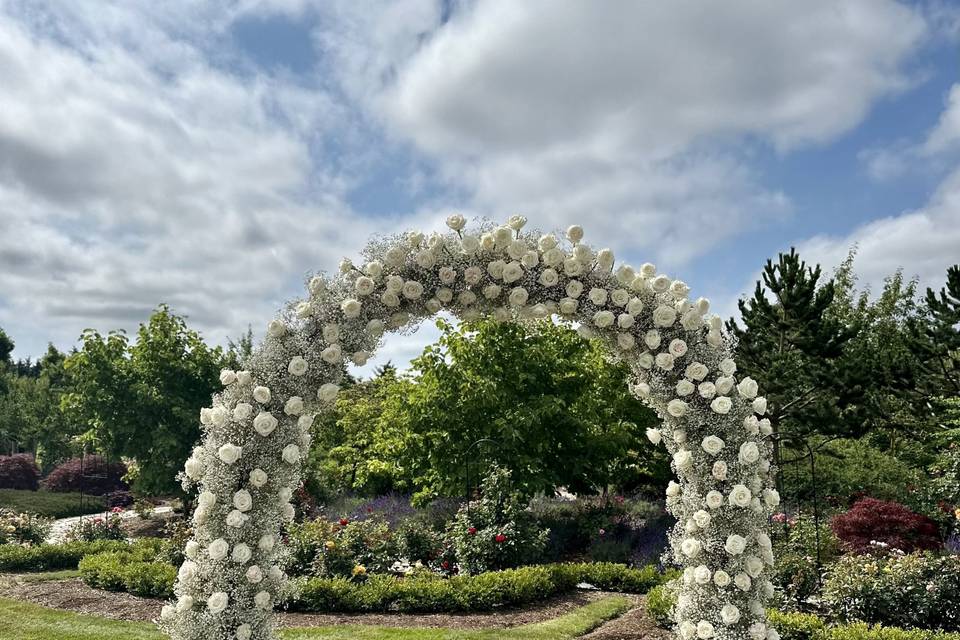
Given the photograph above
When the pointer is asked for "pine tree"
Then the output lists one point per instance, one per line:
(793, 346)
(938, 338)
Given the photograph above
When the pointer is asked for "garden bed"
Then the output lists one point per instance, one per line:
(74, 595)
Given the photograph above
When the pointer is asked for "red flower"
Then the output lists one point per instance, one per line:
(369, 509)
(344, 522)
(472, 531)
(445, 564)
(501, 538)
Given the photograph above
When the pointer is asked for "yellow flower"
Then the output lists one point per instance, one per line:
(359, 570)
(330, 544)
(956, 512)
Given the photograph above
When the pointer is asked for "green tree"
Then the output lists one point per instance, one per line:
(558, 413)
(142, 400)
(6, 348)
(938, 338)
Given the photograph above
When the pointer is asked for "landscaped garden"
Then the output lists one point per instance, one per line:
(511, 484)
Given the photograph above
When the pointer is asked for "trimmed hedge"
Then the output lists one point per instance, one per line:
(50, 557)
(98, 476)
(431, 593)
(134, 570)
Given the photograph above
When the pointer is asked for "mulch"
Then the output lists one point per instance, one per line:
(635, 624)
(74, 595)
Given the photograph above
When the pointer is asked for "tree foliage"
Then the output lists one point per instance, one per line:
(142, 400)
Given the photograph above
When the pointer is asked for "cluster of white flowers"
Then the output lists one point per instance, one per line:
(258, 429)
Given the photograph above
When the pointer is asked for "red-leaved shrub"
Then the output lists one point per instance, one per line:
(19, 472)
(870, 521)
(97, 478)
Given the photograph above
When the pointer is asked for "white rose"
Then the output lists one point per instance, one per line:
(254, 575)
(261, 395)
(575, 233)
(712, 445)
(677, 408)
(752, 425)
(740, 496)
(466, 298)
(701, 574)
(518, 296)
(724, 385)
(685, 388)
(242, 500)
(645, 360)
(168, 612)
(721, 578)
(236, 519)
(553, 257)
(714, 499)
(530, 259)
(679, 289)
(664, 316)
(720, 470)
(412, 290)
(328, 392)
(218, 549)
(597, 296)
(456, 222)
(433, 305)
(263, 600)
(192, 549)
(749, 453)
(677, 348)
(206, 499)
(242, 411)
(549, 278)
(721, 405)
(690, 547)
(729, 614)
(572, 267)
(395, 256)
(753, 566)
(229, 453)
(304, 422)
(184, 603)
(188, 571)
(760, 405)
(364, 286)
(293, 406)
(217, 602)
(603, 319)
(771, 497)
(276, 329)
(758, 631)
(625, 320)
(193, 468)
(390, 299)
(702, 518)
(704, 630)
(764, 427)
(728, 366)
(664, 361)
(258, 477)
(696, 371)
(625, 274)
(748, 388)
(635, 306)
(470, 244)
(285, 494)
(652, 338)
(264, 423)
(735, 544)
(266, 542)
(332, 354)
(626, 341)
(642, 389)
(244, 632)
(303, 310)
(351, 307)
(619, 297)
(512, 272)
(425, 259)
(683, 459)
(764, 541)
(654, 436)
(673, 489)
(227, 377)
(687, 630)
(241, 553)
(291, 453)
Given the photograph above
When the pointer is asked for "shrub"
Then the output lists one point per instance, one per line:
(416, 541)
(19, 471)
(872, 521)
(97, 528)
(919, 590)
(660, 603)
(134, 570)
(22, 528)
(796, 574)
(497, 531)
(796, 626)
(51, 557)
(94, 474)
(425, 592)
(120, 499)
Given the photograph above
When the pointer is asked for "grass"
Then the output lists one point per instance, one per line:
(46, 576)
(26, 621)
(49, 503)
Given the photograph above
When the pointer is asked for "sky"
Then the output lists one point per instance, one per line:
(211, 155)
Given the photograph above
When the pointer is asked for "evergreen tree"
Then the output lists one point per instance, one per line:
(937, 338)
(793, 346)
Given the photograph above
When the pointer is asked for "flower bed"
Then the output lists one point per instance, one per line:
(133, 570)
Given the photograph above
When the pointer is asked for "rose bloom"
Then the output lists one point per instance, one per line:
(328, 392)
(684, 388)
(242, 500)
(217, 602)
(701, 518)
(603, 319)
(291, 453)
(549, 278)
(749, 452)
(242, 411)
(690, 547)
(264, 423)
(696, 371)
(721, 578)
(714, 499)
(447, 275)
(218, 549)
(664, 361)
(664, 316)
(707, 390)
(721, 405)
(625, 320)
(677, 348)
(729, 614)
(720, 470)
(626, 341)
(712, 445)
(704, 630)
(740, 496)
(229, 453)
(677, 408)
(261, 395)
(683, 459)
(735, 544)
(598, 296)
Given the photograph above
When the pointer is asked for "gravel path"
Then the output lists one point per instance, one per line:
(60, 527)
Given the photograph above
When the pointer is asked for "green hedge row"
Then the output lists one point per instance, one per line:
(50, 557)
(133, 570)
(805, 626)
(482, 592)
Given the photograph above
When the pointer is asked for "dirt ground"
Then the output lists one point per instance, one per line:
(74, 595)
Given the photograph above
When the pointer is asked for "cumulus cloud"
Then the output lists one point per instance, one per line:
(922, 242)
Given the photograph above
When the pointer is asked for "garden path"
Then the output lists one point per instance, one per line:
(60, 527)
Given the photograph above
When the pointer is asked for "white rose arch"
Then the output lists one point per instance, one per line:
(257, 431)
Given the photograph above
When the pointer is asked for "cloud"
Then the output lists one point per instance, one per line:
(922, 242)
(945, 136)
(564, 112)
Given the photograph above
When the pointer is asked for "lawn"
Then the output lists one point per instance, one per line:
(26, 621)
(48, 503)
